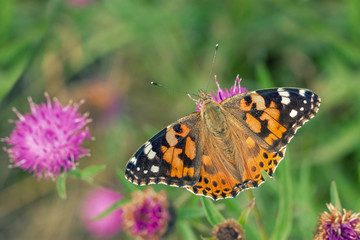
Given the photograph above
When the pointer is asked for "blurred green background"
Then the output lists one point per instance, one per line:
(107, 52)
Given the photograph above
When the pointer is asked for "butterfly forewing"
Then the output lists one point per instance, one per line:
(170, 157)
(273, 116)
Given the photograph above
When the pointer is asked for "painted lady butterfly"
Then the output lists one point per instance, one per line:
(220, 150)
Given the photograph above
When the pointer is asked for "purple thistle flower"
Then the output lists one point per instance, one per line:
(221, 94)
(96, 203)
(147, 216)
(48, 140)
(338, 225)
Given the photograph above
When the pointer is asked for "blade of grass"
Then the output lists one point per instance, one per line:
(61, 185)
(246, 212)
(212, 214)
(52, 9)
(257, 215)
(186, 231)
(334, 195)
(283, 221)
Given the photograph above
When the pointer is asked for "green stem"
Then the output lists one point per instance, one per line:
(257, 215)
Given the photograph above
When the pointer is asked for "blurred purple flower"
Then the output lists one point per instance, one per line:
(96, 203)
(338, 225)
(147, 216)
(221, 94)
(48, 140)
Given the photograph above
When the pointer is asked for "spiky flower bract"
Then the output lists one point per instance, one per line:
(338, 225)
(47, 141)
(147, 216)
(229, 229)
(221, 94)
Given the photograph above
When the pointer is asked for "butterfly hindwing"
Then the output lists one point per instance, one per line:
(170, 157)
(257, 159)
(273, 115)
(219, 179)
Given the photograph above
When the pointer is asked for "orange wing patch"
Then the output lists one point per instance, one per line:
(171, 154)
(253, 123)
(190, 148)
(246, 104)
(260, 160)
(275, 127)
(215, 182)
(177, 164)
(171, 134)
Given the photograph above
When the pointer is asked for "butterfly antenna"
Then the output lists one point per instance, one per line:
(160, 85)
(212, 66)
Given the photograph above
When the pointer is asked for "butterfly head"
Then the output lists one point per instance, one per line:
(203, 99)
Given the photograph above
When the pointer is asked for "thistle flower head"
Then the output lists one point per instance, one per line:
(229, 229)
(96, 203)
(338, 225)
(222, 94)
(48, 140)
(147, 216)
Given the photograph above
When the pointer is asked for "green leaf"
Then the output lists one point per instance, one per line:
(61, 185)
(266, 176)
(75, 173)
(89, 172)
(212, 214)
(246, 212)
(334, 195)
(112, 208)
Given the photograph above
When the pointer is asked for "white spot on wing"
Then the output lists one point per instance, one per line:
(285, 100)
(293, 113)
(284, 94)
(148, 147)
(302, 109)
(154, 169)
(133, 160)
(305, 102)
(151, 155)
(302, 92)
